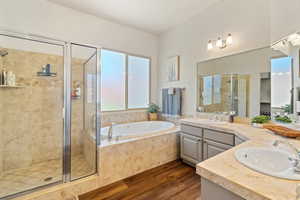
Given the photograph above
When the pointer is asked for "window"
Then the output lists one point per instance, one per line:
(217, 89)
(125, 81)
(281, 85)
(212, 89)
(207, 90)
(113, 80)
(138, 82)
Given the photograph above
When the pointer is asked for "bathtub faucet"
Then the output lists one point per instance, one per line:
(110, 130)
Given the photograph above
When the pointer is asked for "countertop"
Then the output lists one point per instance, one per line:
(227, 172)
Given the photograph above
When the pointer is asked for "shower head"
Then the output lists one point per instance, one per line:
(3, 53)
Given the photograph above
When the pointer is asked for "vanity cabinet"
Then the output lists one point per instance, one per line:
(211, 149)
(191, 144)
(191, 148)
(198, 144)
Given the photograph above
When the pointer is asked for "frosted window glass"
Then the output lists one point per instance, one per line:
(207, 90)
(138, 82)
(217, 89)
(112, 80)
(281, 82)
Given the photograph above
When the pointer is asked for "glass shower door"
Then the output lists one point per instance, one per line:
(83, 111)
(31, 120)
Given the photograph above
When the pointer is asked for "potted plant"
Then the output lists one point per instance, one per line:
(283, 119)
(152, 112)
(258, 121)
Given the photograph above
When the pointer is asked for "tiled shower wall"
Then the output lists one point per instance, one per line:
(31, 117)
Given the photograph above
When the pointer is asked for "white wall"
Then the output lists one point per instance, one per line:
(285, 15)
(48, 19)
(249, 23)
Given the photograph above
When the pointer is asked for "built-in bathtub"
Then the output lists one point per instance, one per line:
(136, 147)
(135, 130)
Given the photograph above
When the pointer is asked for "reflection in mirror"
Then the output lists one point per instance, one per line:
(281, 81)
(214, 93)
(239, 82)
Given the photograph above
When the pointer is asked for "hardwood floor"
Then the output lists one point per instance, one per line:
(172, 181)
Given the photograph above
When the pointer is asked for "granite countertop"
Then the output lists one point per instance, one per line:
(227, 172)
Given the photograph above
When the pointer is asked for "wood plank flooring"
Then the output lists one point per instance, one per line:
(172, 181)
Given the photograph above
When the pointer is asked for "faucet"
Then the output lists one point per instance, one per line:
(295, 161)
(110, 130)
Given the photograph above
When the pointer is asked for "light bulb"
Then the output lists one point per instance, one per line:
(219, 42)
(209, 45)
(229, 39)
(294, 39)
(294, 36)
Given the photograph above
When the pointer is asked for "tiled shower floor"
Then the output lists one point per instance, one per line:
(20, 180)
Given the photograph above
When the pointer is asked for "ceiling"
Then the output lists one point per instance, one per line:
(155, 16)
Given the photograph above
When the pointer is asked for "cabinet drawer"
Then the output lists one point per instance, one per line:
(218, 136)
(192, 130)
(211, 149)
(191, 148)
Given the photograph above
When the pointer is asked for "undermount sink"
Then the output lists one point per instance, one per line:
(272, 162)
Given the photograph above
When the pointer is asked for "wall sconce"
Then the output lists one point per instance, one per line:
(220, 43)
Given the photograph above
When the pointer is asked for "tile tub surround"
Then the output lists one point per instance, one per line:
(125, 159)
(121, 117)
(118, 161)
(227, 172)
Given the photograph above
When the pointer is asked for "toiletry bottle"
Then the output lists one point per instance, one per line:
(4, 77)
(8, 78)
(11, 78)
(1, 78)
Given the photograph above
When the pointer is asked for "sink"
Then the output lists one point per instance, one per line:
(213, 122)
(272, 162)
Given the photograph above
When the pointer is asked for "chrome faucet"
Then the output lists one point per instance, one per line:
(110, 131)
(295, 161)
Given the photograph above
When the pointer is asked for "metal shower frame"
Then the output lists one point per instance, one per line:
(67, 109)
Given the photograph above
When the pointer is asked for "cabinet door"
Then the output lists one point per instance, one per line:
(211, 149)
(191, 148)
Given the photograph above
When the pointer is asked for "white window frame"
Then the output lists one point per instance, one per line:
(126, 79)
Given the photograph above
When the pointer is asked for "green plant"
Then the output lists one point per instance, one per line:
(261, 119)
(283, 119)
(153, 108)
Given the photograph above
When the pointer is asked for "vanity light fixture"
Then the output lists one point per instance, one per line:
(294, 39)
(220, 43)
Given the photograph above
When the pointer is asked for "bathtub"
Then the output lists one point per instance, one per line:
(136, 130)
(136, 147)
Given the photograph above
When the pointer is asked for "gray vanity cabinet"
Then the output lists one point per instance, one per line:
(191, 148)
(211, 148)
(191, 144)
(198, 144)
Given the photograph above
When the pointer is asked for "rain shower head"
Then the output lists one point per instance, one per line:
(3, 53)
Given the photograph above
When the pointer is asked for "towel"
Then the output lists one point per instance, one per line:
(171, 103)
(171, 91)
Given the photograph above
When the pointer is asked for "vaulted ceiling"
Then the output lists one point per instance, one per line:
(155, 16)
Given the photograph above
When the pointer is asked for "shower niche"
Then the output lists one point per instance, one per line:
(46, 138)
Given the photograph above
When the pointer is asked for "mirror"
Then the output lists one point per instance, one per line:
(285, 77)
(243, 83)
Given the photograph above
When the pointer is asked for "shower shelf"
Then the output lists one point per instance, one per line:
(9, 86)
(76, 97)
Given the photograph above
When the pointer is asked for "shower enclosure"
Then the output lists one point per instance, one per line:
(222, 93)
(49, 112)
